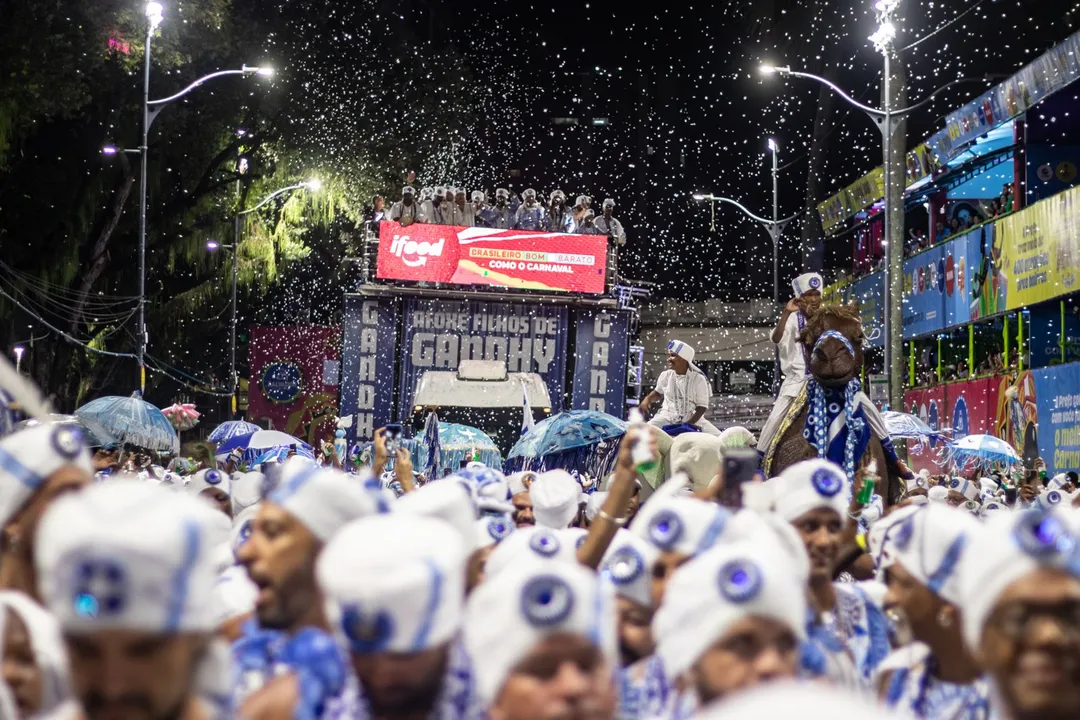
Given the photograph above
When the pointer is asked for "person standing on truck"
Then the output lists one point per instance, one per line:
(501, 216)
(684, 390)
(608, 225)
(406, 211)
(530, 216)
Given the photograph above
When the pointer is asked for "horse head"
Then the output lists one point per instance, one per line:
(833, 337)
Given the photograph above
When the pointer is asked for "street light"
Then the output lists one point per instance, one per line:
(155, 13)
(312, 185)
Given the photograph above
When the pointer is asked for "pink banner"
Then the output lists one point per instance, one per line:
(519, 259)
(929, 405)
(293, 380)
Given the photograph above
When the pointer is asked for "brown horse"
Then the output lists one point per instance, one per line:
(833, 367)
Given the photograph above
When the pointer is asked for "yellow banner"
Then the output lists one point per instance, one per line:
(1039, 250)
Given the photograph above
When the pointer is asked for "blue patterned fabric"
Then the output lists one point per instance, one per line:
(849, 643)
(916, 692)
(643, 689)
(836, 425)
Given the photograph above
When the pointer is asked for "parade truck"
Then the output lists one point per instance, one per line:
(479, 324)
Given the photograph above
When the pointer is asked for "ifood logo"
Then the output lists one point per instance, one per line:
(415, 254)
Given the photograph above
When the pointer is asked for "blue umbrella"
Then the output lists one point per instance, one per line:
(232, 428)
(581, 441)
(904, 426)
(456, 443)
(93, 433)
(434, 448)
(132, 421)
(984, 450)
(257, 443)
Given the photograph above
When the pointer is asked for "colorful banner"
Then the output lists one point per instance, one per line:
(518, 259)
(1039, 250)
(924, 293)
(439, 334)
(929, 405)
(1057, 392)
(294, 376)
(600, 361)
(870, 294)
(1052, 71)
(368, 361)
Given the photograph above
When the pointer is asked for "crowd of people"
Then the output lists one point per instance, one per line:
(505, 211)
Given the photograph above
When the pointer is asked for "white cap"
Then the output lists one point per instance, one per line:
(528, 543)
(322, 500)
(502, 193)
(1058, 481)
(205, 479)
(968, 489)
(478, 195)
(608, 203)
(493, 496)
(394, 583)
(509, 614)
(680, 524)
(529, 192)
(492, 530)
(682, 350)
(241, 526)
(814, 700)
(129, 555)
(28, 457)
(878, 544)
(234, 595)
(520, 481)
(807, 486)
(715, 590)
(628, 565)
(450, 500)
(937, 494)
(555, 496)
(930, 543)
(1008, 546)
(408, 190)
(247, 489)
(805, 283)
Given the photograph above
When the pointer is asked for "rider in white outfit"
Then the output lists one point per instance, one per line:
(684, 390)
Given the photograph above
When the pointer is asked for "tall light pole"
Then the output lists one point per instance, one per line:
(150, 110)
(312, 185)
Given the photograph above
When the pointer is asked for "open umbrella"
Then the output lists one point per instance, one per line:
(434, 448)
(580, 441)
(132, 421)
(93, 432)
(983, 450)
(230, 429)
(255, 444)
(904, 426)
(456, 443)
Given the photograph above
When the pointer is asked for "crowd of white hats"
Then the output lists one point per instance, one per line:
(311, 593)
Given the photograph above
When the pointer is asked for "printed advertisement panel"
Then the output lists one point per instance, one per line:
(964, 283)
(924, 293)
(293, 381)
(1057, 392)
(600, 361)
(971, 407)
(368, 361)
(519, 259)
(1040, 250)
(929, 405)
(439, 334)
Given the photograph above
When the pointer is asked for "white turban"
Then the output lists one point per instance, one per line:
(813, 700)
(628, 564)
(805, 283)
(246, 489)
(206, 479)
(717, 589)
(509, 614)
(28, 457)
(680, 524)
(807, 486)
(323, 500)
(234, 595)
(684, 351)
(530, 543)
(492, 530)
(1009, 546)
(394, 583)
(931, 542)
(452, 501)
(127, 555)
(555, 496)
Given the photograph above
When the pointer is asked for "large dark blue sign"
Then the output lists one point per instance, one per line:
(439, 334)
(368, 359)
(281, 382)
(600, 359)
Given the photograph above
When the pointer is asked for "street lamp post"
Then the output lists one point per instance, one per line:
(150, 110)
(238, 226)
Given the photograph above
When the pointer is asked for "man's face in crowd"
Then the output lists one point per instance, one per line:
(530, 200)
(129, 675)
(475, 569)
(607, 211)
(662, 570)
(523, 510)
(402, 684)
(635, 632)
(20, 666)
(378, 204)
(754, 650)
(460, 199)
(1030, 645)
(821, 531)
(914, 602)
(66, 480)
(809, 301)
(406, 199)
(634, 504)
(955, 499)
(564, 677)
(500, 200)
(677, 364)
(280, 560)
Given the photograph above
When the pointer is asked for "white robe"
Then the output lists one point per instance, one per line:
(683, 394)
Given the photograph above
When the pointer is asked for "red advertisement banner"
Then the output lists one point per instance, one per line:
(519, 259)
(965, 408)
(293, 380)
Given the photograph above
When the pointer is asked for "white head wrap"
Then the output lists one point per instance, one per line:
(555, 496)
(680, 524)
(394, 583)
(1008, 546)
(452, 501)
(530, 543)
(510, 613)
(519, 482)
(323, 500)
(127, 555)
(805, 283)
(28, 457)
(715, 590)
(46, 642)
(937, 494)
(930, 542)
(234, 595)
(807, 486)
(246, 489)
(684, 351)
(1058, 481)
(205, 479)
(815, 701)
(492, 530)
(628, 565)
(967, 488)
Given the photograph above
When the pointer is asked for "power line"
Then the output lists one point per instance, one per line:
(942, 27)
(60, 332)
